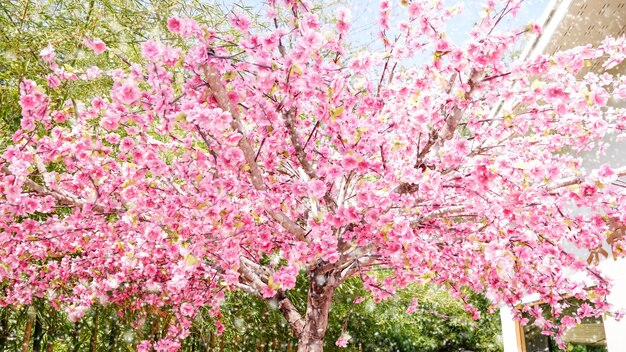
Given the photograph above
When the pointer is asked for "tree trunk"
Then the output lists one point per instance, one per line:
(320, 298)
(28, 330)
(93, 345)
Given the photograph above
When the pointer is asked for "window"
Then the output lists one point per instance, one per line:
(589, 336)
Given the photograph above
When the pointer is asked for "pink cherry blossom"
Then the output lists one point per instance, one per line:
(233, 157)
(53, 81)
(28, 102)
(127, 144)
(311, 21)
(59, 117)
(240, 21)
(268, 292)
(312, 40)
(413, 306)
(344, 18)
(110, 123)
(606, 173)
(144, 346)
(343, 340)
(93, 72)
(127, 93)
(173, 24)
(170, 55)
(150, 50)
(187, 310)
(350, 162)
(252, 156)
(599, 96)
(47, 54)
(95, 44)
(112, 138)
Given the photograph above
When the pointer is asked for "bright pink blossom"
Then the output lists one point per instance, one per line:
(173, 24)
(127, 144)
(187, 310)
(28, 102)
(233, 157)
(96, 44)
(240, 21)
(127, 93)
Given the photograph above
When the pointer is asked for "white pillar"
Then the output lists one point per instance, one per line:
(509, 331)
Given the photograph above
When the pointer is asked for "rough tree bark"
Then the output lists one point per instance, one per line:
(29, 328)
(319, 301)
(93, 346)
(37, 335)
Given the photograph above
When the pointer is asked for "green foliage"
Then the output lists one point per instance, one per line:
(439, 324)
(28, 26)
(251, 324)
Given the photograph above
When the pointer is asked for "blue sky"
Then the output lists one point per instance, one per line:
(363, 32)
(365, 15)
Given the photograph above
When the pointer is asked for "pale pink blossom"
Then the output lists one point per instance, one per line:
(343, 340)
(413, 306)
(150, 50)
(606, 174)
(47, 54)
(240, 21)
(344, 18)
(53, 81)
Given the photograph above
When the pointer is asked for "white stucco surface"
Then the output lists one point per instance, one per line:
(616, 331)
(509, 340)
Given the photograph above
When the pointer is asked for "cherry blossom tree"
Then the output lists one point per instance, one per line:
(247, 159)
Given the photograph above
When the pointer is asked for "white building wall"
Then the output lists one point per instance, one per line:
(615, 331)
(556, 11)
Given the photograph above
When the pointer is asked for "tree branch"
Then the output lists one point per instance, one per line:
(437, 139)
(64, 199)
(290, 312)
(578, 179)
(251, 282)
(295, 141)
(301, 153)
(221, 95)
(437, 213)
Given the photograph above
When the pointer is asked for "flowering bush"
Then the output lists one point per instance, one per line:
(244, 160)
